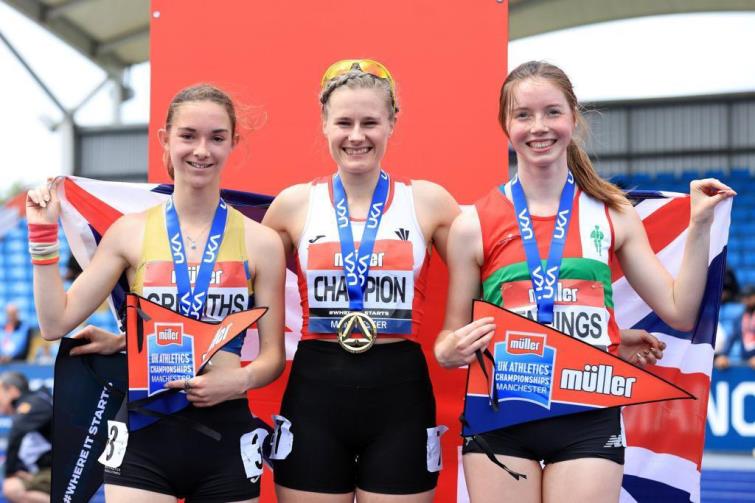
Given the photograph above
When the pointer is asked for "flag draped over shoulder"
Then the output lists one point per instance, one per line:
(665, 440)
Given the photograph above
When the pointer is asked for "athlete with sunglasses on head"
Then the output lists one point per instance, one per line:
(358, 415)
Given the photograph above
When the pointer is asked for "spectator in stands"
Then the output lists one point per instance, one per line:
(29, 454)
(738, 322)
(15, 336)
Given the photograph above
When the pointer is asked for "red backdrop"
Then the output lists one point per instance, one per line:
(448, 58)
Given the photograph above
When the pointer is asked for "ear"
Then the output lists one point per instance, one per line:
(162, 135)
(236, 139)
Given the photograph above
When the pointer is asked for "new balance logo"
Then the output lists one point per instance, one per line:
(319, 236)
(403, 234)
(614, 441)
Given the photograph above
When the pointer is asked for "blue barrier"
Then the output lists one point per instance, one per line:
(730, 425)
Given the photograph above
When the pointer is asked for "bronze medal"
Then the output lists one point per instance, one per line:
(356, 332)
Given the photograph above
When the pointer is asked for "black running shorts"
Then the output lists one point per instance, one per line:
(359, 420)
(172, 458)
(593, 434)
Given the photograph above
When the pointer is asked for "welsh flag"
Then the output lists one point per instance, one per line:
(665, 440)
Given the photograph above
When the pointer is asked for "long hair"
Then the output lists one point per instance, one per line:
(578, 161)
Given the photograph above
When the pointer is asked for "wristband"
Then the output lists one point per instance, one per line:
(44, 246)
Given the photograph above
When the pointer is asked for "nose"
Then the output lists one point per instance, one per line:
(201, 149)
(356, 134)
(538, 124)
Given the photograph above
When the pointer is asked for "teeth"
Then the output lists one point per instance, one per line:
(357, 151)
(200, 165)
(541, 144)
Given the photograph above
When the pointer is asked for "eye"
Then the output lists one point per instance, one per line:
(218, 139)
(554, 112)
(185, 136)
(343, 123)
(521, 115)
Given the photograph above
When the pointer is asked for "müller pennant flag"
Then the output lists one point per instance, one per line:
(534, 372)
(164, 346)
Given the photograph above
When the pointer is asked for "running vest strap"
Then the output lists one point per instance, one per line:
(584, 297)
(230, 285)
(395, 289)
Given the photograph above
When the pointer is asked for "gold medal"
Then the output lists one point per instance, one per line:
(366, 332)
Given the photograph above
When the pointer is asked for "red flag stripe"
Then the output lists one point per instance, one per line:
(671, 427)
(96, 212)
(662, 227)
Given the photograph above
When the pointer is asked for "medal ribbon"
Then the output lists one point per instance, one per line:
(544, 283)
(356, 263)
(191, 301)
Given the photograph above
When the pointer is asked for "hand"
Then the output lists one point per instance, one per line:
(42, 204)
(640, 347)
(214, 387)
(458, 347)
(704, 196)
(101, 342)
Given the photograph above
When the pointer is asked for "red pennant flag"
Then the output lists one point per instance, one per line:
(166, 346)
(534, 372)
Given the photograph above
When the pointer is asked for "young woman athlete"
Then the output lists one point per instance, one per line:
(164, 461)
(489, 252)
(359, 401)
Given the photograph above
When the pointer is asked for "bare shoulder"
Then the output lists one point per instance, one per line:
(466, 226)
(261, 240)
(126, 234)
(626, 223)
(430, 192)
(292, 197)
(433, 199)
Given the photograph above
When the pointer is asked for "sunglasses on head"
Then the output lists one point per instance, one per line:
(363, 65)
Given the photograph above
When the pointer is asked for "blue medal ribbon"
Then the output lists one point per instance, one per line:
(356, 263)
(191, 301)
(544, 283)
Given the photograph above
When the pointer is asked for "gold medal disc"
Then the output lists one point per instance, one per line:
(356, 332)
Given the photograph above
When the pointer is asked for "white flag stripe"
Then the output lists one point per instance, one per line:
(124, 197)
(687, 357)
(664, 468)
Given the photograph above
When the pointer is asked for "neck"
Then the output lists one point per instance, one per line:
(359, 186)
(542, 185)
(195, 206)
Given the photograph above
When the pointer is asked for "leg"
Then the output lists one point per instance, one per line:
(287, 495)
(584, 480)
(36, 497)
(488, 483)
(368, 497)
(123, 494)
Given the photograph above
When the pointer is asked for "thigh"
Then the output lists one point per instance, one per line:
(123, 494)
(368, 497)
(584, 480)
(322, 456)
(489, 483)
(288, 495)
(400, 431)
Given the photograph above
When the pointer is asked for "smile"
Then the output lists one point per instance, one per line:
(541, 144)
(200, 165)
(356, 151)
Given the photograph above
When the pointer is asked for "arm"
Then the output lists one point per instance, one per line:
(287, 214)
(436, 211)
(225, 382)
(266, 251)
(676, 301)
(459, 339)
(60, 311)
